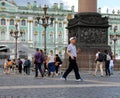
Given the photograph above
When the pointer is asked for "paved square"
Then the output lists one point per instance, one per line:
(24, 86)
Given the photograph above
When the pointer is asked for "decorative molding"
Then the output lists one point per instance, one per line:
(65, 22)
(17, 20)
(30, 21)
(3, 17)
(8, 20)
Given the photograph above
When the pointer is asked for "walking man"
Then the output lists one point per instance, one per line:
(38, 60)
(107, 63)
(72, 53)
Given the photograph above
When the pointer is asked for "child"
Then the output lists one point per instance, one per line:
(111, 66)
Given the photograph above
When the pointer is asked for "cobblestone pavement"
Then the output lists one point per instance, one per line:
(24, 86)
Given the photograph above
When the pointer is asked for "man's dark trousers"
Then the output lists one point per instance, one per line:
(38, 67)
(72, 66)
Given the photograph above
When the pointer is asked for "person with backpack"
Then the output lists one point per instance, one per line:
(107, 63)
(38, 60)
(27, 65)
(100, 58)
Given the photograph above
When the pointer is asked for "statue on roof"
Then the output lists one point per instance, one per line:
(12, 1)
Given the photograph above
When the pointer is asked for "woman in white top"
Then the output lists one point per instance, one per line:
(51, 64)
(111, 66)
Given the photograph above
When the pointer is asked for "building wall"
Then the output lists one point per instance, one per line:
(33, 36)
(114, 22)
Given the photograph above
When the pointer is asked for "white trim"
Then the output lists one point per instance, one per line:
(31, 31)
(28, 31)
(8, 31)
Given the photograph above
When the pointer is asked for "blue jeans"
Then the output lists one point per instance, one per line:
(38, 67)
(111, 69)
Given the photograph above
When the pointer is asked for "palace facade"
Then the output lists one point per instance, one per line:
(33, 37)
(33, 33)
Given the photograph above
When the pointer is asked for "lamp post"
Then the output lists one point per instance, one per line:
(16, 34)
(114, 37)
(45, 23)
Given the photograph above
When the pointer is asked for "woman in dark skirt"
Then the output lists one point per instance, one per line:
(51, 64)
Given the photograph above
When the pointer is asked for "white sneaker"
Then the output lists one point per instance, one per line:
(62, 78)
(81, 80)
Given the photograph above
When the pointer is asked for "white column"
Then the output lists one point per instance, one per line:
(65, 31)
(56, 30)
(19, 39)
(31, 31)
(28, 31)
(8, 31)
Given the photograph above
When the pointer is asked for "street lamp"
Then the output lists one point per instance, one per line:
(15, 34)
(115, 37)
(45, 23)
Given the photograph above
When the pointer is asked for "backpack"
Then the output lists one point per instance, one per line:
(27, 63)
(101, 57)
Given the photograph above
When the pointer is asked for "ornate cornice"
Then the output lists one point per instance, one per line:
(88, 19)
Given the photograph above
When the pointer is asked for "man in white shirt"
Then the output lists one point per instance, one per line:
(72, 53)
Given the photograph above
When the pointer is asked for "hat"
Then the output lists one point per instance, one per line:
(72, 38)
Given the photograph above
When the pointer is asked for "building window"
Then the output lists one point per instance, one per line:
(3, 22)
(115, 28)
(111, 27)
(2, 36)
(60, 24)
(35, 23)
(24, 35)
(11, 22)
(23, 22)
(60, 36)
(51, 25)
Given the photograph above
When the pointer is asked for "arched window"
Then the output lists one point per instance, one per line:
(23, 22)
(51, 25)
(3, 22)
(35, 23)
(11, 21)
(2, 36)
